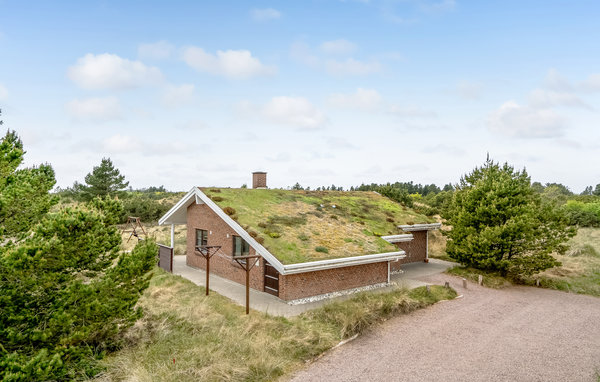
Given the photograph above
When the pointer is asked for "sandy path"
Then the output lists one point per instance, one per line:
(514, 334)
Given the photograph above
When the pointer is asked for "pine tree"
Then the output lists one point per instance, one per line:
(500, 223)
(104, 180)
(67, 291)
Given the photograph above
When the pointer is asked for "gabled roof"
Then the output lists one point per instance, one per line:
(291, 220)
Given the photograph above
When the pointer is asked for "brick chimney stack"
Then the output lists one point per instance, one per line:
(259, 179)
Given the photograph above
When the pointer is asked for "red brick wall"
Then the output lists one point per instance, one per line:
(308, 284)
(200, 216)
(416, 249)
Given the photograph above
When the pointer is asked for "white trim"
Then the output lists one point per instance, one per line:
(202, 198)
(342, 262)
(398, 238)
(420, 227)
(172, 235)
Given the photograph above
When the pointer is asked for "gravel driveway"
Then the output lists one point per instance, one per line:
(513, 334)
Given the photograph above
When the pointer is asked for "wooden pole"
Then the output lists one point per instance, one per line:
(207, 272)
(248, 288)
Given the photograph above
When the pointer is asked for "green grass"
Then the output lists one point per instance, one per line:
(186, 336)
(490, 279)
(293, 223)
(579, 271)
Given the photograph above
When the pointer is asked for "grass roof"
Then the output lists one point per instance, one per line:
(300, 226)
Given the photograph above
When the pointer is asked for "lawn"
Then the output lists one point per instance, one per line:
(299, 226)
(187, 336)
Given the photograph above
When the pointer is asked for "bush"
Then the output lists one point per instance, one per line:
(321, 249)
(583, 214)
(229, 210)
(144, 207)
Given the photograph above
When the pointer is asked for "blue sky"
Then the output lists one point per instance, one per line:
(316, 92)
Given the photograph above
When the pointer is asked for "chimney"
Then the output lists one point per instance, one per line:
(259, 179)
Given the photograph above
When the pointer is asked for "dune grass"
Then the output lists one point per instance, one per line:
(186, 336)
(291, 224)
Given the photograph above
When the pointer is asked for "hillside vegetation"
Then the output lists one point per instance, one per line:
(298, 226)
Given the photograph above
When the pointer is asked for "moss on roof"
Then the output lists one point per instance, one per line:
(300, 226)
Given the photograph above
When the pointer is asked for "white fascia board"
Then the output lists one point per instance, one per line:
(420, 227)
(182, 203)
(240, 231)
(398, 238)
(312, 266)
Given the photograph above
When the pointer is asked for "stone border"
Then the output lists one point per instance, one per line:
(325, 296)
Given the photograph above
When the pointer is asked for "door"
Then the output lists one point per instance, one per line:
(271, 280)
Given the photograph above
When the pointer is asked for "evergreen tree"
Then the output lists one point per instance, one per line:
(588, 191)
(104, 180)
(596, 190)
(500, 223)
(67, 291)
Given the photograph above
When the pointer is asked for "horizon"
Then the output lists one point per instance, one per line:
(317, 93)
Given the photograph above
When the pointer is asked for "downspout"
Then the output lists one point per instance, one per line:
(427, 246)
(172, 235)
(389, 272)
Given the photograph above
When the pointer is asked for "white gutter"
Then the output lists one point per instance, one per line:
(312, 266)
(420, 227)
(398, 238)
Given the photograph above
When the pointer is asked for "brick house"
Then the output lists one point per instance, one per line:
(281, 228)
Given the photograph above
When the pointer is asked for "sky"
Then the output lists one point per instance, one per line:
(186, 94)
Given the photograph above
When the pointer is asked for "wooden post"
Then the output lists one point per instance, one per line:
(207, 273)
(246, 264)
(247, 290)
(173, 236)
(464, 283)
(428, 287)
(480, 280)
(447, 285)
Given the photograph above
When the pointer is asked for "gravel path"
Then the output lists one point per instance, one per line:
(513, 334)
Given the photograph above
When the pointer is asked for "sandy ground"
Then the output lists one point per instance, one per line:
(513, 334)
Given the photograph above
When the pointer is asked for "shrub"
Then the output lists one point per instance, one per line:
(390, 220)
(303, 237)
(274, 235)
(260, 240)
(321, 249)
(262, 225)
(217, 198)
(147, 209)
(583, 214)
(229, 210)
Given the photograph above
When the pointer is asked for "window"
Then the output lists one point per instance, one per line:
(201, 237)
(240, 247)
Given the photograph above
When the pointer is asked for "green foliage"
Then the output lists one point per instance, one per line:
(104, 180)
(142, 206)
(66, 290)
(321, 249)
(24, 194)
(501, 224)
(583, 214)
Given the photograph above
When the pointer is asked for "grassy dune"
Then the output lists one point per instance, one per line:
(186, 336)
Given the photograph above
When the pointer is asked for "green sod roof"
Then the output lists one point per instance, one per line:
(301, 226)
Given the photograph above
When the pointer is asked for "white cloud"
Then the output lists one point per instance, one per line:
(295, 111)
(94, 109)
(230, 63)
(410, 111)
(3, 92)
(363, 99)
(592, 83)
(351, 66)
(159, 50)
(340, 46)
(301, 52)
(265, 14)
(540, 98)
(121, 144)
(178, 95)
(555, 81)
(519, 121)
(469, 90)
(109, 71)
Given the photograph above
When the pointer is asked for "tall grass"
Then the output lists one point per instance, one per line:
(186, 336)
